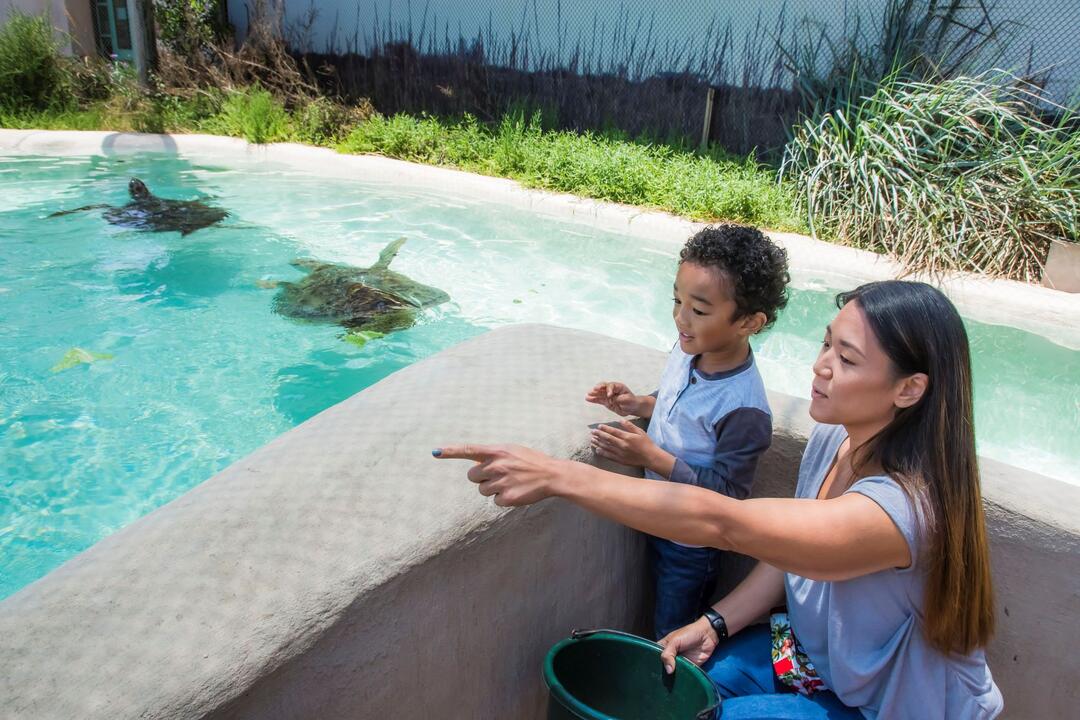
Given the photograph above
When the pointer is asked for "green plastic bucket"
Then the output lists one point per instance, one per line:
(609, 675)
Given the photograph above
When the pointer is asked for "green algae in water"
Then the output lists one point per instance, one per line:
(360, 338)
(78, 356)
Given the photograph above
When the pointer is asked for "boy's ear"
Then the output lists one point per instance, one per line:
(751, 324)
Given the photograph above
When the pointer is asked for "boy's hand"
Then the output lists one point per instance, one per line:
(616, 397)
(629, 446)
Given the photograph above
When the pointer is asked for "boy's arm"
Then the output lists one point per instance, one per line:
(646, 403)
(741, 437)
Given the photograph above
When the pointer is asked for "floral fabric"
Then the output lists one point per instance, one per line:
(790, 662)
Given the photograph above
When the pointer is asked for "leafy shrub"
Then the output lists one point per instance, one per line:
(93, 79)
(964, 174)
(185, 26)
(32, 75)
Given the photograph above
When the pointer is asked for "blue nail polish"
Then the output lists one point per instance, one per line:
(436, 452)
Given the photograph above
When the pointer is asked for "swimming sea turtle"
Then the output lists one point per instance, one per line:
(146, 211)
(368, 301)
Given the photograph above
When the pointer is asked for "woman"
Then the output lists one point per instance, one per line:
(882, 557)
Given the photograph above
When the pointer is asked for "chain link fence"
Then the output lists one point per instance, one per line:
(737, 74)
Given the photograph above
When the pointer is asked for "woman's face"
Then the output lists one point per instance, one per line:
(855, 384)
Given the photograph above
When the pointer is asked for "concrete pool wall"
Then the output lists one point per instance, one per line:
(340, 571)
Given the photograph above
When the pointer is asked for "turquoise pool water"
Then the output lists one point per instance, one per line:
(197, 370)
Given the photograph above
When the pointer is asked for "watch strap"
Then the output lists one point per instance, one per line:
(716, 620)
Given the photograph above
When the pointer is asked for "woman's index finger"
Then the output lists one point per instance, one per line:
(477, 453)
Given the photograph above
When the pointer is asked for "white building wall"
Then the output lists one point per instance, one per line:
(55, 8)
(611, 31)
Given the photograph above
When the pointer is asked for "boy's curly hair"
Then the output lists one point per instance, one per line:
(756, 268)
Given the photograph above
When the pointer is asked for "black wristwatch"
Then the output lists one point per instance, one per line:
(717, 621)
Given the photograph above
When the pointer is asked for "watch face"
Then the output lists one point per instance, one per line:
(716, 620)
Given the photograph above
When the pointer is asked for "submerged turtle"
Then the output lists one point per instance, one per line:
(368, 301)
(146, 211)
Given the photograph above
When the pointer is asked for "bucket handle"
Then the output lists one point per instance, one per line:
(708, 713)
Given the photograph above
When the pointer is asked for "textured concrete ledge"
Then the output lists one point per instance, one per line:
(340, 571)
(1041, 310)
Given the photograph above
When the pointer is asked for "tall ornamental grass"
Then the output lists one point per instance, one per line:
(963, 174)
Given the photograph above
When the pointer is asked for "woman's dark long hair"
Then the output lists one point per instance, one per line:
(929, 448)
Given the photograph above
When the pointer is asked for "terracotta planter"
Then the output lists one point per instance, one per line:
(1062, 268)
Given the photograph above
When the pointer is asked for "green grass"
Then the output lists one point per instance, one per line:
(122, 113)
(700, 187)
(253, 115)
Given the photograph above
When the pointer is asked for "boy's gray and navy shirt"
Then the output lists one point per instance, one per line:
(716, 425)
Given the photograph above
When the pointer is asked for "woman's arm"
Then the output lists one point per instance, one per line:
(759, 592)
(835, 539)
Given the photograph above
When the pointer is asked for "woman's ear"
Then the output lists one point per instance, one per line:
(911, 390)
(751, 324)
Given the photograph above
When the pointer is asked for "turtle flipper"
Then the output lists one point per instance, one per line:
(79, 209)
(308, 264)
(388, 254)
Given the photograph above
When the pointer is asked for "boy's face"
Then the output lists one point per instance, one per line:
(704, 310)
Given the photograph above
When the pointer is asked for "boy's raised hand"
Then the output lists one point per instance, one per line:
(615, 396)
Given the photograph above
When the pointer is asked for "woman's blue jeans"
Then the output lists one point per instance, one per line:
(742, 671)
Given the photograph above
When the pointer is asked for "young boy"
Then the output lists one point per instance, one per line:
(709, 421)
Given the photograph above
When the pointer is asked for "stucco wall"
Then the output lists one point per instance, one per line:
(80, 26)
(340, 571)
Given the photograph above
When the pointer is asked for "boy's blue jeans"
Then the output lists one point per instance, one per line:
(684, 579)
(742, 671)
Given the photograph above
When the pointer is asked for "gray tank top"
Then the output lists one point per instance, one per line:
(864, 635)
